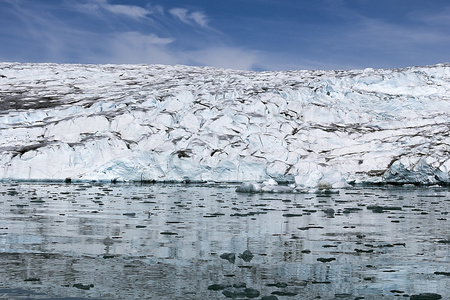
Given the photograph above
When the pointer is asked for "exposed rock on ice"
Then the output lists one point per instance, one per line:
(319, 129)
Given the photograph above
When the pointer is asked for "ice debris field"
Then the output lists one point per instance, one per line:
(312, 129)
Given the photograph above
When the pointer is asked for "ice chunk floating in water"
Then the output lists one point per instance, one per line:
(176, 123)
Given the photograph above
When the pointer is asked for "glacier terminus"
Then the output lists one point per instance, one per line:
(312, 129)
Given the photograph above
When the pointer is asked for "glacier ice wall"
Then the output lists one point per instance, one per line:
(161, 123)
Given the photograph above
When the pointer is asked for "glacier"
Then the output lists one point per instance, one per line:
(152, 123)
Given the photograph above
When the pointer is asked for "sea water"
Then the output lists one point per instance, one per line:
(186, 241)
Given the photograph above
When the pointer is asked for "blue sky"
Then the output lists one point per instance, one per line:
(240, 34)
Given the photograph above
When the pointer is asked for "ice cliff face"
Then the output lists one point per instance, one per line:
(139, 122)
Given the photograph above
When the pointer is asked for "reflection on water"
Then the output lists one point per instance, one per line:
(166, 242)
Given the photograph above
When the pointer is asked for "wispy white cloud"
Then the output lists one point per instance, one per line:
(9, 1)
(365, 38)
(56, 40)
(131, 11)
(128, 10)
(135, 47)
(144, 39)
(39, 33)
(224, 57)
(437, 18)
(199, 18)
(185, 16)
(74, 42)
(377, 33)
(385, 44)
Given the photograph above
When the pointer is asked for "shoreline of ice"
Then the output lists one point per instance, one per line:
(247, 187)
(186, 124)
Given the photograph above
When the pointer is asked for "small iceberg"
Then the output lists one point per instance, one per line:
(249, 187)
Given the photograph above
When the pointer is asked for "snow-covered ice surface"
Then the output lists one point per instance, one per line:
(179, 123)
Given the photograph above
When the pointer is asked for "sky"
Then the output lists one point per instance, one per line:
(238, 34)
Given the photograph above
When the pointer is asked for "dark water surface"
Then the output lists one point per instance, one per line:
(88, 241)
